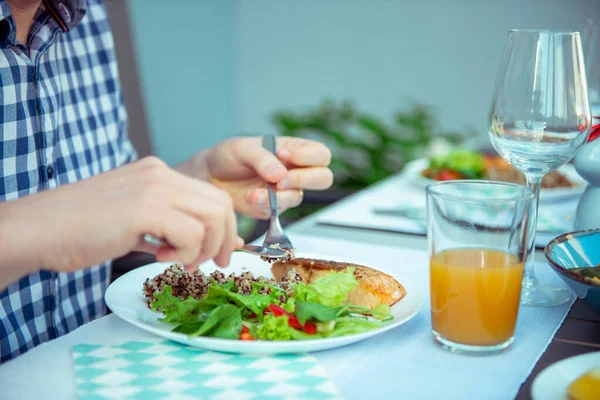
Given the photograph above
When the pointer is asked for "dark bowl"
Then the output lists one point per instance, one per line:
(577, 250)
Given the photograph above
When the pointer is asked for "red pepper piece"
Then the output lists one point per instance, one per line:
(294, 323)
(310, 328)
(448, 175)
(292, 320)
(278, 311)
(246, 336)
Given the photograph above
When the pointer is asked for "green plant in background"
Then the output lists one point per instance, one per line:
(364, 148)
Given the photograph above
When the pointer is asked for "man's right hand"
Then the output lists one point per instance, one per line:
(106, 216)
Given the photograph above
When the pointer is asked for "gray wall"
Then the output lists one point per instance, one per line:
(210, 69)
(383, 54)
(184, 50)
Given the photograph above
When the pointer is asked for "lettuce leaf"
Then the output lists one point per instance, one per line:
(351, 325)
(274, 328)
(331, 290)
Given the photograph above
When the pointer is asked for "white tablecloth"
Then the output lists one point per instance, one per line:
(357, 210)
(402, 363)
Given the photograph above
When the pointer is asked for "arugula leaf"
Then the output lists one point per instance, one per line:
(330, 290)
(254, 302)
(180, 312)
(229, 327)
(229, 286)
(318, 312)
(225, 321)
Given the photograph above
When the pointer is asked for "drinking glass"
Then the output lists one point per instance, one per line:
(539, 119)
(477, 234)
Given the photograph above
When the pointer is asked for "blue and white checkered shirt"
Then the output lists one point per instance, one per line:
(62, 119)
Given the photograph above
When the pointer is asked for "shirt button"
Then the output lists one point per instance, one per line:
(50, 172)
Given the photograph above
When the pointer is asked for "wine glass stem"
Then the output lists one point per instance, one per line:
(534, 182)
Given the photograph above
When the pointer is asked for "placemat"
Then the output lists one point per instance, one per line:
(160, 369)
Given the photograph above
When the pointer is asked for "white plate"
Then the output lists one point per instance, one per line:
(553, 382)
(413, 169)
(124, 297)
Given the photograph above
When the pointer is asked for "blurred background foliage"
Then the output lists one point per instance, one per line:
(365, 148)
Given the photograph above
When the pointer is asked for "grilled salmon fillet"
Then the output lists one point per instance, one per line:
(375, 287)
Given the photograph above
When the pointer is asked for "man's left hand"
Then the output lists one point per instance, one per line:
(242, 167)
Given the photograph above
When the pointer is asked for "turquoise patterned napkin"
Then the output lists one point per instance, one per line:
(164, 369)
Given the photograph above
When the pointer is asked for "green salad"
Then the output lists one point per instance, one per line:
(269, 312)
(458, 164)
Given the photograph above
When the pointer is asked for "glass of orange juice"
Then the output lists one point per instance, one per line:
(477, 233)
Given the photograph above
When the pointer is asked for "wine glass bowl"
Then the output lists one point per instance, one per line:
(539, 118)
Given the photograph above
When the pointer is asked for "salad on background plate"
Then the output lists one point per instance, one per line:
(461, 163)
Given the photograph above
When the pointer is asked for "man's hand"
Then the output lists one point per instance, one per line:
(106, 216)
(242, 167)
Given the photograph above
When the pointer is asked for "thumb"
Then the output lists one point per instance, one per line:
(264, 163)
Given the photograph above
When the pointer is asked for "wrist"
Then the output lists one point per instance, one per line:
(21, 255)
(196, 166)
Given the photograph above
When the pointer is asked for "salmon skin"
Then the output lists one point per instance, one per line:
(374, 287)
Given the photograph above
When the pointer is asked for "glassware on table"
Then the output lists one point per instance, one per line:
(539, 119)
(477, 233)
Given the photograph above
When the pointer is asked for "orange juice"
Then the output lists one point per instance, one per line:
(475, 295)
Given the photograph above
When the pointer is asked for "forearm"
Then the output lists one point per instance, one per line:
(20, 253)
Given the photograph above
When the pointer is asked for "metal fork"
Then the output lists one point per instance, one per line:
(275, 234)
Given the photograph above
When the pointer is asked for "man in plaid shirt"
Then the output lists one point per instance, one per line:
(71, 195)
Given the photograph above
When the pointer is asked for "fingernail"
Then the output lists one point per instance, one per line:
(284, 184)
(284, 153)
(275, 170)
(239, 242)
(262, 199)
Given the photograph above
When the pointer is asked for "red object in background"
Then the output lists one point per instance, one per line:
(595, 133)
(447, 175)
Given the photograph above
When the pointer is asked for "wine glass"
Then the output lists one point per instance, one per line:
(539, 118)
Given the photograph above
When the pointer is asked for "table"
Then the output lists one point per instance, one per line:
(579, 334)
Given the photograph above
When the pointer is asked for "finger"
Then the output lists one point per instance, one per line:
(181, 183)
(214, 238)
(316, 178)
(183, 233)
(266, 164)
(229, 243)
(285, 199)
(303, 152)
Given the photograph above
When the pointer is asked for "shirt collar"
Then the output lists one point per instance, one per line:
(66, 13)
